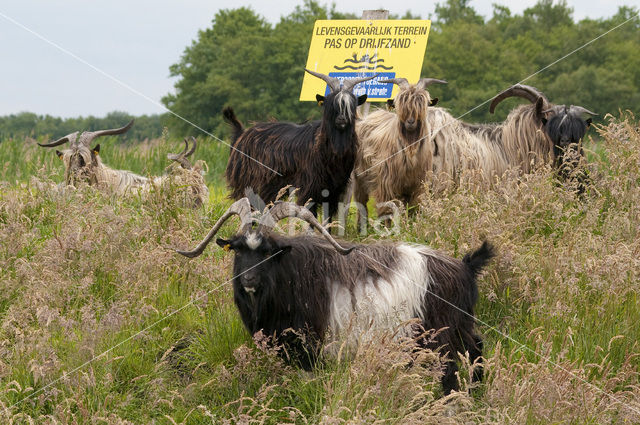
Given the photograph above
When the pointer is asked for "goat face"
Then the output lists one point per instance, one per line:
(411, 106)
(80, 163)
(253, 251)
(412, 102)
(340, 108)
(565, 128)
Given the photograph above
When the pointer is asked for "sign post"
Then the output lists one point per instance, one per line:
(348, 49)
(370, 15)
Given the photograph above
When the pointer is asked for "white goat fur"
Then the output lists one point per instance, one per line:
(484, 153)
(392, 163)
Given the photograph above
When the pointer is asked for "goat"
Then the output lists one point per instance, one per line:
(316, 287)
(395, 149)
(531, 135)
(315, 157)
(84, 165)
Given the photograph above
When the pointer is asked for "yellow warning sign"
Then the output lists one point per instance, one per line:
(357, 48)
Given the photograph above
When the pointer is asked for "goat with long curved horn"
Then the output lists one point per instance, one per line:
(68, 138)
(396, 150)
(403, 83)
(303, 294)
(532, 94)
(241, 208)
(181, 157)
(531, 135)
(83, 165)
(425, 82)
(88, 136)
(283, 210)
(580, 111)
(317, 157)
(350, 84)
(335, 84)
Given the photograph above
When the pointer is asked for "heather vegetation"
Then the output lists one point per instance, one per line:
(83, 273)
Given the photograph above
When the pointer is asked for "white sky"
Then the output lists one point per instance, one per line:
(135, 41)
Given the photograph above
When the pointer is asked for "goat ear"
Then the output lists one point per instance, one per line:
(539, 105)
(390, 104)
(224, 244)
(589, 121)
(320, 99)
(59, 154)
(362, 99)
(435, 148)
(434, 101)
(96, 150)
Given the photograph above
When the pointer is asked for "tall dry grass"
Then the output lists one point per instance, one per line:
(84, 273)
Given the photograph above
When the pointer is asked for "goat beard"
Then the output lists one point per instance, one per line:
(411, 136)
(82, 176)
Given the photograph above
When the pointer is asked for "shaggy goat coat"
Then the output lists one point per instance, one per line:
(316, 157)
(83, 165)
(322, 295)
(396, 152)
(531, 136)
(483, 153)
(390, 165)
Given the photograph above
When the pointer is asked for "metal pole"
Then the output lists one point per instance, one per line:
(370, 15)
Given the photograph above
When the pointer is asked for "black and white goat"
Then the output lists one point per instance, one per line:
(319, 288)
(316, 157)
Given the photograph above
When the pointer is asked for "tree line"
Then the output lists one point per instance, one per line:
(243, 61)
(28, 124)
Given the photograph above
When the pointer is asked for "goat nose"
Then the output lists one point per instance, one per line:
(250, 279)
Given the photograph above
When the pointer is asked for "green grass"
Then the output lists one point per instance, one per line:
(84, 273)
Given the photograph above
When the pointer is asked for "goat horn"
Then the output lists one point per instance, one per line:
(287, 209)
(423, 83)
(242, 208)
(193, 148)
(579, 110)
(68, 138)
(181, 157)
(520, 90)
(350, 84)
(403, 83)
(88, 136)
(334, 83)
(556, 109)
(186, 146)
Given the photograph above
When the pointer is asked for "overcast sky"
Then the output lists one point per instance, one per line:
(133, 42)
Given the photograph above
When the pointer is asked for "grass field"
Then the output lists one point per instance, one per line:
(101, 322)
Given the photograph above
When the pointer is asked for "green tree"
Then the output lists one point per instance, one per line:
(257, 68)
(455, 11)
(244, 62)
